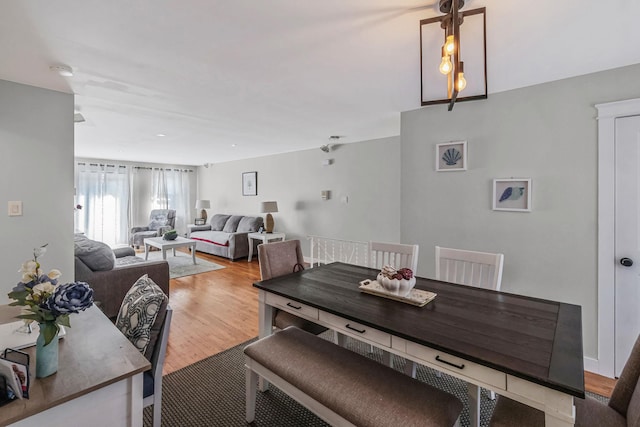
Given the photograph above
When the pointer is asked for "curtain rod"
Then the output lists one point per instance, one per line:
(134, 167)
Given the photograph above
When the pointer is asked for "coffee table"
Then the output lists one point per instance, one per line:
(164, 245)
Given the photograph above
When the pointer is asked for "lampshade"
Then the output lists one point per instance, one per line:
(203, 204)
(268, 207)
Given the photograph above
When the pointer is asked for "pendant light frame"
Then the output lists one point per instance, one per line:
(433, 35)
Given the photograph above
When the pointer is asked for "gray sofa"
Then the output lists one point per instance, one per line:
(225, 235)
(111, 273)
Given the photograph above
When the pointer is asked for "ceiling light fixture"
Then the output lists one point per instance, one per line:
(160, 135)
(63, 70)
(449, 54)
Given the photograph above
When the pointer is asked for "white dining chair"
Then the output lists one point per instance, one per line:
(479, 269)
(396, 255)
(471, 268)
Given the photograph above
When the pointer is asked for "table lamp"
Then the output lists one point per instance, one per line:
(203, 204)
(268, 207)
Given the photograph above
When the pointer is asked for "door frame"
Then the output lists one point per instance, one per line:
(607, 115)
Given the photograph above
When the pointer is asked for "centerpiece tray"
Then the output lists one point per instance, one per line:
(416, 297)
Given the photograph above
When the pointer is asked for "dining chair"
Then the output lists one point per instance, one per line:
(623, 408)
(277, 259)
(397, 255)
(471, 268)
(152, 379)
(479, 269)
(394, 254)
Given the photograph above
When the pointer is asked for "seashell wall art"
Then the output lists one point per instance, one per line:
(451, 156)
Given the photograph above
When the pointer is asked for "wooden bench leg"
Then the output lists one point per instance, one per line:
(252, 382)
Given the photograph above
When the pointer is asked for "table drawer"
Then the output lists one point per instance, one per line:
(456, 365)
(356, 330)
(292, 306)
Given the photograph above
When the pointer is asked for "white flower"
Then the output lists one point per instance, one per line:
(29, 267)
(44, 288)
(54, 274)
(38, 252)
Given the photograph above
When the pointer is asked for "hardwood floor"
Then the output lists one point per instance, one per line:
(217, 310)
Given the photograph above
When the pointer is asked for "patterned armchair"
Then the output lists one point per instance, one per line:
(160, 221)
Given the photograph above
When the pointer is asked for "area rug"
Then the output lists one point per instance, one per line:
(182, 264)
(212, 393)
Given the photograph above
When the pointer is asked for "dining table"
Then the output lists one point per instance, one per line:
(525, 348)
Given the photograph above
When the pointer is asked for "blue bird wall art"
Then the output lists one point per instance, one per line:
(512, 193)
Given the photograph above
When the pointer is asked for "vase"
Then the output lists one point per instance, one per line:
(46, 356)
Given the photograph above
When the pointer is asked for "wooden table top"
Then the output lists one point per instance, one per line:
(93, 354)
(534, 339)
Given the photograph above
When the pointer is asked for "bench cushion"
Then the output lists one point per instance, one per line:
(358, 389)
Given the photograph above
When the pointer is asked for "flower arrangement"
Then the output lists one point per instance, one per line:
(46, 301)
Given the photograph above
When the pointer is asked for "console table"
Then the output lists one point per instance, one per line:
(99, 378)
(265, 237)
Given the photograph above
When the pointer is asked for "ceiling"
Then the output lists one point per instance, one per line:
(226, 80)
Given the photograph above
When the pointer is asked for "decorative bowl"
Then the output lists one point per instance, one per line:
(400, 287)
(170, 235)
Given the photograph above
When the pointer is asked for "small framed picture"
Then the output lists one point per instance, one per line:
(451, 156)
(512, 194)
(199, 221)
(250, 184)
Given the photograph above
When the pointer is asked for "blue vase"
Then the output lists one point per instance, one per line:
(46, 357)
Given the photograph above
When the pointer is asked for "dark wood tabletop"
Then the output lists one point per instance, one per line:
(533, 339)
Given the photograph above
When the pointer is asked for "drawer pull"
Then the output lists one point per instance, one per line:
(361, 331)
(449, 363)
(293, 306)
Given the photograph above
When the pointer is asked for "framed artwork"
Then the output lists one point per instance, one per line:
(250, 183)
(512, 194)
(451, 156)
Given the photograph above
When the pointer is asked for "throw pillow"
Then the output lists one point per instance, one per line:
(218, 221)
(232, 224)
(142, 313)
(249, 224)
(97, 256)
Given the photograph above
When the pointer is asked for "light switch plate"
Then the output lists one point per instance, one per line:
(15, 208)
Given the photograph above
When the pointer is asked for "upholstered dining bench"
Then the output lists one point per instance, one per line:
(342, 387)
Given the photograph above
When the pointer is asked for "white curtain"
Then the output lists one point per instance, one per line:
(103, 192)
(171, 189)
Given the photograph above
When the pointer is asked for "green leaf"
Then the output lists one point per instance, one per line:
(35, 317)
(64, 320)
(48, 331)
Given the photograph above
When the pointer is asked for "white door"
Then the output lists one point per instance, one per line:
(627, 238)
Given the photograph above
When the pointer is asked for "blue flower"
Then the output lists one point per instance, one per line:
(70, 298)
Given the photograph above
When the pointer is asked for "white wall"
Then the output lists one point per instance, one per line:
(368, 173)
(545, 132)
(36, 148)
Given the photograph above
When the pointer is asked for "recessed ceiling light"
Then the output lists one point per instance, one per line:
(233, 145)
(63, 70)
(160, 135)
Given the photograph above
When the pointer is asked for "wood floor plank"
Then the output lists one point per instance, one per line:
(217, 310)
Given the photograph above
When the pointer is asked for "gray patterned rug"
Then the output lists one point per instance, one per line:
(211, 393)
(182, 264)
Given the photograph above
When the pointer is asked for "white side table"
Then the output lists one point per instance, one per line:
(265, 237)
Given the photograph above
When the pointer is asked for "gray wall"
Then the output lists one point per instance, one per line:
(368, 173)
(36, 147)
(545, 132)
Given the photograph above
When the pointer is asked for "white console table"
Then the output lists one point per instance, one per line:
(264, 237)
